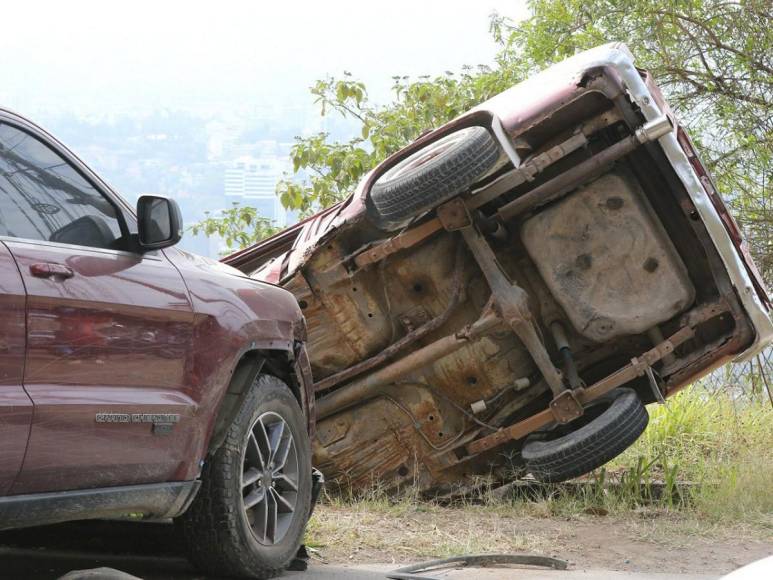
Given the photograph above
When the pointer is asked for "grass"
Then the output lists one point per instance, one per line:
(702, 468)
(403, 530)
(719, 445)
(707, 455)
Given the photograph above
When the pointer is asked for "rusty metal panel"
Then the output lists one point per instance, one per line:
(332, 347)
(394, 438)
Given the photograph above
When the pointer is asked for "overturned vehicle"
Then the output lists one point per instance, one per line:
(505, 294)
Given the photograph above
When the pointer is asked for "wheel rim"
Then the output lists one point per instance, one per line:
(270, 478)
(426, 154)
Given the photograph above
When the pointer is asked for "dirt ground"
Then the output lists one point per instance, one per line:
(640, 541)
(343, 538)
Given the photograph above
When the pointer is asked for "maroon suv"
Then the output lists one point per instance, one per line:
(136, 378)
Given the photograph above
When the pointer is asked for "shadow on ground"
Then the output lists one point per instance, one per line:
(149, 550)
(146, 549)
(152, 551)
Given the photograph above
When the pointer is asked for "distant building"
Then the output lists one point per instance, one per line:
(252, 181)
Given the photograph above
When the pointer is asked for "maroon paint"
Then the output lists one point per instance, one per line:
(15, 405)
(114, 337)
(121, 332)
(234, 314)
(135, 334)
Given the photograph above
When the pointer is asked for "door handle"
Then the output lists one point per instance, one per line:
(47, 270)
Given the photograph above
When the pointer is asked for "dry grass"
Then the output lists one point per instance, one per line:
(720, 445)
(372, 531)
(369, 532)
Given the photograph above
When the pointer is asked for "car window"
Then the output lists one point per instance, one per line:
(43, 197)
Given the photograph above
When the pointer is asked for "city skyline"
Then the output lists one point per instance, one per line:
(155, 109)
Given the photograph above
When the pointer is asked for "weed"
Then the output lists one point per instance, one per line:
(705, 455)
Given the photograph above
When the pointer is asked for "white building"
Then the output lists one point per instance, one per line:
(252, 181)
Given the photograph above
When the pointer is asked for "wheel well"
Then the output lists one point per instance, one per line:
(278, 364)
(252, 363)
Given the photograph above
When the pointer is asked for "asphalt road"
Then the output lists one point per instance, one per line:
(151, 551)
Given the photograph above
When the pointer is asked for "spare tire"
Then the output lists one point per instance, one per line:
(433, 175)
(608, 427)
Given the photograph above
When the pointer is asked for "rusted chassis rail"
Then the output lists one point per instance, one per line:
(564, 407)
(508, 306)
(455, 215)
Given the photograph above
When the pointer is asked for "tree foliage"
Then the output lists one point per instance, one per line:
(334, 168)
(239, 226)
(712, 58)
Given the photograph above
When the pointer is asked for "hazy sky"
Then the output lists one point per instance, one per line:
(96, 56)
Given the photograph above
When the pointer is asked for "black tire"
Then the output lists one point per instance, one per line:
(433, 175)
(609, 426)
(218, 535)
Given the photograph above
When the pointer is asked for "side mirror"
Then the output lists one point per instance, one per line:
(159, 222)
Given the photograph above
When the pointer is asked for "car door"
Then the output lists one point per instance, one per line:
(15, 405)
(108, 330)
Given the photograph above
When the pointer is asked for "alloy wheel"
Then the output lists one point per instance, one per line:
(270, 478)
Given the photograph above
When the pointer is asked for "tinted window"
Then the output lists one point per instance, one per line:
(42, 197)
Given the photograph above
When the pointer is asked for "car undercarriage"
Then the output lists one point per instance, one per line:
(579, 264)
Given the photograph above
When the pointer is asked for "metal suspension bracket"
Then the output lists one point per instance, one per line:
(510, 300)
(637, 367)
(654, 385)
(566, 406)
